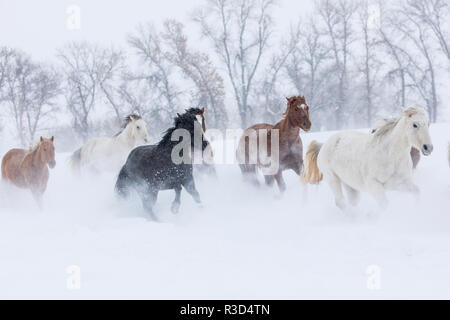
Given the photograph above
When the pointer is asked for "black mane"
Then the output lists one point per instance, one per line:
(151, 169)
(185, 121)
(195, 111)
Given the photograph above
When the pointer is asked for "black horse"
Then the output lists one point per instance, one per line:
(150, 169)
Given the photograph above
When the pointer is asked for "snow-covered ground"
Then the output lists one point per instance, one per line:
(244, 242)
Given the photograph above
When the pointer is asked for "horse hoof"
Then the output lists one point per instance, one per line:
(175, 208)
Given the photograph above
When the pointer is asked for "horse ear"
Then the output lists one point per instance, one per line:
(42, 139)
(179, 115)
(288, 100)
(187, 110)
(203, 110)
(52, 139)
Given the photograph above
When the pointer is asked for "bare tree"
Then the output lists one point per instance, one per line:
(274, 83)
(30, 93)
(158, 69)
(307, 67)
(239, 31)
(198, 67)
(6, 55)
(87, 71)
(390, 40)
(110, 76)
(370, 64)
(337, 17)
(422, 73)
(435, 14)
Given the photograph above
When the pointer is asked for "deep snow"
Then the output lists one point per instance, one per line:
(244, 242)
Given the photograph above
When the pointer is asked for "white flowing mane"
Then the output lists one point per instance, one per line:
(390, 124)
(126, 121)
(34, 147)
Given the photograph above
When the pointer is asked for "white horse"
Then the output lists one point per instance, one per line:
(373, 163)
(109, 154)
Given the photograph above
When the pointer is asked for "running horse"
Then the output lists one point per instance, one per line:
(109, 153)
(375, 163)
(28, 169)
(289, 156)
(151, 169)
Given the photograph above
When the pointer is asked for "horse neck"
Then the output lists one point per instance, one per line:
(34, 158)
(398, 140)
(287, 129)
(126, 138)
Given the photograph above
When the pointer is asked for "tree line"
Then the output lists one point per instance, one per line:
(353, 60)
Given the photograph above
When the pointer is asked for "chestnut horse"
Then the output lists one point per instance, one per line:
(28, 169)
(289, 156)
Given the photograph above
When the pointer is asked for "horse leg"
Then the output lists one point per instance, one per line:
(353, 195)
(38, 195)
(148, 200)
(336, 186)
(280, 181)
(176, 203)
(270, 180)
(376, 189)
(192, 190)
(411, 188)
(298, 169)
(249, 173)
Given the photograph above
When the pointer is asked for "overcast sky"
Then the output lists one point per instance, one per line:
(39, 26)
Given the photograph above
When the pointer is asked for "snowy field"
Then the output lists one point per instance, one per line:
(243, 243)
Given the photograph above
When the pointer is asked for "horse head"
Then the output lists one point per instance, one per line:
(417, 129)
(46, 150)
(298, 113)
(199, 114)
(137, 128)
(190, 123)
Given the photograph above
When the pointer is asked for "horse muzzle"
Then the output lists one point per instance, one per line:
(427, 149)
(52, 164)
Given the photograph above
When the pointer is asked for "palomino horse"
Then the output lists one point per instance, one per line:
(371, 163)
(28, 169)
(290, 152)
(150, 169)
(103, 154)
(415, 153)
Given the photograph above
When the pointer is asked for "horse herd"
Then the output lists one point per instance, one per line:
(350, 161)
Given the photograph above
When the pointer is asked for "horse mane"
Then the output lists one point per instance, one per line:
(386, 128)
(390, 124)
(196, 111)
(126, 121)
(178, 121)
(33, 147)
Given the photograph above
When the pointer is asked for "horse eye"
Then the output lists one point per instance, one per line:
(139, 128)
(415, 126)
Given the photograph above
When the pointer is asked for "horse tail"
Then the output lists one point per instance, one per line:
(123, 183)
(311, 173)
(75, 161)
